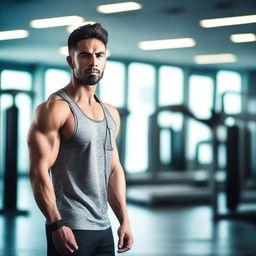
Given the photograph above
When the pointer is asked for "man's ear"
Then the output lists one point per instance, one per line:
(70, 62)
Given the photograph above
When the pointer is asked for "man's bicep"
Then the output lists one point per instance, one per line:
(44, 136)
(43, 147)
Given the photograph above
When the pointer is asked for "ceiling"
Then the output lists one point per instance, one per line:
(158, 19)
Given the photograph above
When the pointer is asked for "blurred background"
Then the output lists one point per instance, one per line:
(183, 76)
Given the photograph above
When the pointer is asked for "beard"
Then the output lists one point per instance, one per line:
(87, 79)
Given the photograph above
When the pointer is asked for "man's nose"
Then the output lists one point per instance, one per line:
(93, 61)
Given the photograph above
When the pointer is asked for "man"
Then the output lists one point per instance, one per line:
(74, 162)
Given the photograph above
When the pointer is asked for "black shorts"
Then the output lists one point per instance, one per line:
(90, 243)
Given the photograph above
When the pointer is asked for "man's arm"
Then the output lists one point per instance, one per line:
(117, 194)
(43, 144)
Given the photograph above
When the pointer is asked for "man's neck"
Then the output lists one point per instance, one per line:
(81, 93)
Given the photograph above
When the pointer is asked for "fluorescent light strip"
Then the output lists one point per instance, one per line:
(228, 21)
(108, 53)
(56, 22)
(215, 58)
(167, 44)
(13, 34)
(243, 38)
(119, 7)
(71, 28)
(64, 51)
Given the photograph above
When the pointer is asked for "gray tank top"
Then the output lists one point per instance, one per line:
(81, 171)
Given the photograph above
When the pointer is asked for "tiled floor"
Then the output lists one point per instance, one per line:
(168, 231)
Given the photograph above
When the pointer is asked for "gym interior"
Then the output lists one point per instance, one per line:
(188, 118)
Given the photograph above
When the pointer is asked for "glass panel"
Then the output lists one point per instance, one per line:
(140, 105)
(22, 80)
(165, 150)
(170, 93)
(5, 102)
(204, 154)
(201, 95)
(200, 103)
(55, 79)
(229, 81)
(11, 79)
(24, 105)
(112, 85)
(170, 86)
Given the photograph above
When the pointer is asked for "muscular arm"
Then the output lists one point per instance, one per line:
(43, 144)
(117, 195)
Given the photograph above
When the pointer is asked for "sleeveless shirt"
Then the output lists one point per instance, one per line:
(81, 171)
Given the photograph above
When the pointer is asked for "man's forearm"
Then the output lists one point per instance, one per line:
(117, 194)
(44, 196)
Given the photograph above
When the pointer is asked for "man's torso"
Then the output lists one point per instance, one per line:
(81, 170)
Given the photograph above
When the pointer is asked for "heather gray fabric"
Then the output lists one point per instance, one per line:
(81, 171)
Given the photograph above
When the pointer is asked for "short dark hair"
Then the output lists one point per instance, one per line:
(86, 32)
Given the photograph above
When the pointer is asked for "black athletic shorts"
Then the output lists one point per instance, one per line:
(90, 243)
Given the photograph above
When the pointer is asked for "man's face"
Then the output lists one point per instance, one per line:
(88, 61)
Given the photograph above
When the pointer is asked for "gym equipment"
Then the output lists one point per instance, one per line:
(11, 158)
(177, 142)
(238, 159)
(232, 186)
(121, 143)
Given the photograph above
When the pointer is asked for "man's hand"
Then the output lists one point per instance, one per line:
(64, 241)
(125, 238)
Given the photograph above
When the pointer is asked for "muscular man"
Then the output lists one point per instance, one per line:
(74, 164)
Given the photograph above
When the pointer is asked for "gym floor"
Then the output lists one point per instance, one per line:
(162, 231)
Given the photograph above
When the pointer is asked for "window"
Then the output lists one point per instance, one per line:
(170, 93)
(12, 79)
(55, 79)
(200, 103)
(112, 85)
(229, 85)
(141, 106)
(228, 99)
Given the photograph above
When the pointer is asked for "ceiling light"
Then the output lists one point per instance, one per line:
(64, 51)
(108, 53)
(242, 38)
(71, 28)
(167, 44)
(119, 7)
(56, 22)
(228, 21)
(215, 58)
(13, 34)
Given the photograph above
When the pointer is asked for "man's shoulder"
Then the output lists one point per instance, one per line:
(114, 112)
(53, 110)
(52, 104)
(111, 108)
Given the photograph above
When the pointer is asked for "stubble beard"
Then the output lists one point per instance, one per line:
(85, 79)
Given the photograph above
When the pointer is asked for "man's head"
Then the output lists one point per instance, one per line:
(86, 32)
(87, 53)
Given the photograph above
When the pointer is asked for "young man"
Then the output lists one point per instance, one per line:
(74, 163)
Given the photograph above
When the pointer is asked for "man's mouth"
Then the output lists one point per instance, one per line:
(93, 72)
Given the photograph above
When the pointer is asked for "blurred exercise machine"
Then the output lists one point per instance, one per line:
(238, 170)
(228, 186)
(10, 180)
